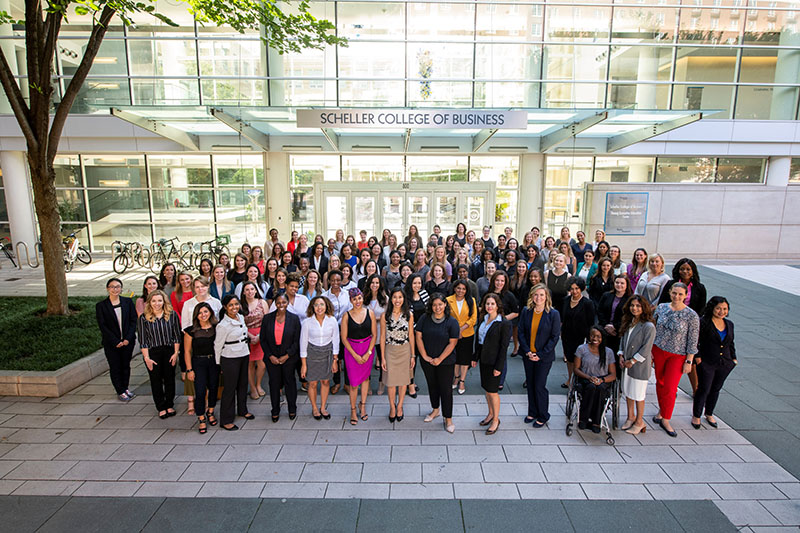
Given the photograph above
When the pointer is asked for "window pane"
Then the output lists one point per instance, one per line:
(766, 103)
(3, 208)
(308, 64)
(70, 205)
(439, 61)
(307, 169)
(759, 65)
(437, 168)
(505, 207)
(740, 170)
(794, 171)
(115, 206)
(771, 27)
(504, 171)
(115, 171)
(641, 63)
(159, 58)
(568, 62)
(195, 232)
(242, 171)
(703, 97)
(508, 61)
(303, 204)
(166, 92)
(372, 60)
(179, 171)
(568, 171)
(644, 24)
(105, 234)
(243, 208)
(509, 22)
(184, 206)
(685, 170)
(507, 94)
(68, 171)
(638, 96)
(578, 23)
(372, 168)
(707, 26)
(234, 92)
(439, 93)
(96, 95)
(241, 233)
(574, 95)
(371, 93)
(371, 20)
(705, 64)
(623, 169)
(445, 21)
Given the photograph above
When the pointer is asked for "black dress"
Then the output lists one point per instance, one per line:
(558, 288)
(575, 324)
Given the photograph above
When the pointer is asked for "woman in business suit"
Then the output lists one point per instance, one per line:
(494, 335)
(464, 309)
(280, 341)
(577, 317)
(539, 329)
(637, 333)
(116, 317)
(715, 359)
(609, 311)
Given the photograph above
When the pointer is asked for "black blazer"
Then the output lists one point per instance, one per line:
(109, 327)
(597, 288)
(323, 264)
(697, 301)
(604, 315)
(710, 348)
(495, 345)
(290, 343)
(576, 321)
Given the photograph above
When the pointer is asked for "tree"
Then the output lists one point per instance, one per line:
(283, 32)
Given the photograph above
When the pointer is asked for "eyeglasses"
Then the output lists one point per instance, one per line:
(115, 287)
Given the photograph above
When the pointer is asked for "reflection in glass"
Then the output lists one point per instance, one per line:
(445, 21)
(703, 97)
(165, 92)
(623, 169)
(166, 57)
(437, 168)
(794, 171)
(371, 20)
(372, 168)
(307, 169)
(105, 234)
(393, 218)
(70, 205)
(506, 94)
(504, 208)
(574, 95)
(179, 171)
(685, 169)
(570, 62)
(68, 171)
(509, 22)
(709, 27)
(446, 214)
(364, 213)
(418, 213)
(114, 206)
(194, 206)
(116, 171)
(502, 170)
(577, 23)
(245, 170)
(336, 214)
(508, 61)
(740, 170)
(643, 24)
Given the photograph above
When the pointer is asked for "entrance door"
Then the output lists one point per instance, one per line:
(395, 206)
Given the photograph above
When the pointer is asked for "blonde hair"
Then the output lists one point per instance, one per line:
(149, 315)
(650, 260)
(202, 280)
(553, 258)
(548, 301)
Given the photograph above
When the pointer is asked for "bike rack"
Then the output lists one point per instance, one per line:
(27, 256)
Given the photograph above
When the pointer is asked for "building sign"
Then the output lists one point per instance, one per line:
(626, 213)
(412, 118)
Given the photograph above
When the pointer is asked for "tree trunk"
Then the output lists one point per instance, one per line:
(45, 201)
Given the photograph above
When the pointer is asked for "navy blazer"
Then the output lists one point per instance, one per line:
(710, 348)
(546, 336)
(109, 327)
(495, 344)
(212, 290)
(290, 343)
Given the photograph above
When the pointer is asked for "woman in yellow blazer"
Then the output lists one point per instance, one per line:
(464, 309)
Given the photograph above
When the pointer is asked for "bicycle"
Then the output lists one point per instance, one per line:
(164, 251)
(127, 254)
(214, 248)
(70, 251)
(8, 249)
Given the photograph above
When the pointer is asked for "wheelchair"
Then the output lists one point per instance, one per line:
(611, 404)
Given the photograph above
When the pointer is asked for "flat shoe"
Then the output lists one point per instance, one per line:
(249, 416)
(668, 432)
(431, 417)
(292, 416)
(538, 424)
(232, 428)
(275, 418)
(564, 386)
(493, 431)
(171, 413)
(656, 419)
(163, 416)
(485, 422)
(696, 426)
(450, 428)
(528, 419)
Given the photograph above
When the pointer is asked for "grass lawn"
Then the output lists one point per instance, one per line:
(31, 342)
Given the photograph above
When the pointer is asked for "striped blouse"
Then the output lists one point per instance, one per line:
(159, 332)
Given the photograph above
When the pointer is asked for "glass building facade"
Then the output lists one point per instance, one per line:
(739, 58)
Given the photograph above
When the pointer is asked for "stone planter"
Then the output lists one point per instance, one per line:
(54, 383)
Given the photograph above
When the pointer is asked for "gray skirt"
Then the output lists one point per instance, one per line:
(398, 365)
(318, 362)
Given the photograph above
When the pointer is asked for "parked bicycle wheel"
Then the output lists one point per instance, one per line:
(143, 257)
(84, 256)
(156, 260)
(121, 263)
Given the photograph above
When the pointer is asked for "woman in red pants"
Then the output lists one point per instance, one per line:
(677, 329)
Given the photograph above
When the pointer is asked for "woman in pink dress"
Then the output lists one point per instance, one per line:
(358, 336)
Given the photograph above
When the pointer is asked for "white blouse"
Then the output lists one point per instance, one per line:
(232, 339)
(312, 332)
(298, 307)
(187, 313)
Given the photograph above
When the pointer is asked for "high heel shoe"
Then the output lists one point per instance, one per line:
(628, 424)
(697, 425)
(353, 418)
(712, 424)
(635, 430)
(364, 415)
(399, 417)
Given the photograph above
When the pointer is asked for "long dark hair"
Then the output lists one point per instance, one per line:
(381, 290)
(144, 288)
(438, 296)
(196, 321)
(409, 282)
(505, 285)
(162, 279)
(243, 300)
(601, 350)
(404, 310)
(470, 300)
(627, 317)
(676, 270)
(225, 301)
(708, 310)
(497, 300)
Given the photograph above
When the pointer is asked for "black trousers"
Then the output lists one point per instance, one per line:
(206, 379)
(119, 366)
(162, 377)
(536, 373)
(282, 376)
(593, 399)
(710, 379)
(440, 386)
(234, 395)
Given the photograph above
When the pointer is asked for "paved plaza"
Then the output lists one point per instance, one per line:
(58, 455)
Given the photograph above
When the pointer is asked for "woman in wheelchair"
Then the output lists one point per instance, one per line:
(595, 370)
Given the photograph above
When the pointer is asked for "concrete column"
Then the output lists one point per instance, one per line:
(531, 183)
(778, 171)
(277, 91)
(279, 201)
(647, 71)
(180, 180)
(787, 70)
(10, 53)
(19, 198)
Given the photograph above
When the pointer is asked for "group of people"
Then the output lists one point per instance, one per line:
(334, 313)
